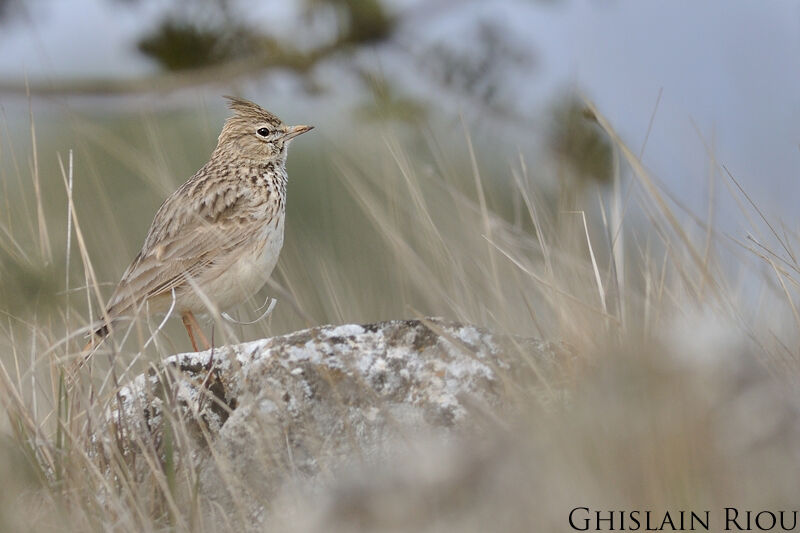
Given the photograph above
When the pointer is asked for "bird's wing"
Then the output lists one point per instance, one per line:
(181, 245)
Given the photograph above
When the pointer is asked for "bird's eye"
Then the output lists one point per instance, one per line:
(263, 132)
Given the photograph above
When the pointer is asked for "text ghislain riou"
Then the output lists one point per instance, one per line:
(727, 519)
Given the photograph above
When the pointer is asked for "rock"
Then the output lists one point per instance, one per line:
(264, 414)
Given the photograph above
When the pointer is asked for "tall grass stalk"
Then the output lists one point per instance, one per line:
(396, 231)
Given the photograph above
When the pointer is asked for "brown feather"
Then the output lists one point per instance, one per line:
(225, 215)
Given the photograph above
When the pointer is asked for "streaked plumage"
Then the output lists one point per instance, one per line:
(221, 232)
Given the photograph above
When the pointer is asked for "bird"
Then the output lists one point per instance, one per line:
(216, 239)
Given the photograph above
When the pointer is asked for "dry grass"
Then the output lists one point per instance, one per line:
(689, 334)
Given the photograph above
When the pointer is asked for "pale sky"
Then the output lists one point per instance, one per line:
(732, 67)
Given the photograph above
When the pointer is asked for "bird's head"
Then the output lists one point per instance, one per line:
(255, 133)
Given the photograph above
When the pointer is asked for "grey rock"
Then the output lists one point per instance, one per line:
(263, 415)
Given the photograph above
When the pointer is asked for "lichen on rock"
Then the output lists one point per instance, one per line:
(300, 405)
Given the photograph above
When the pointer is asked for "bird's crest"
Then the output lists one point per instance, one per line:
(247, 109)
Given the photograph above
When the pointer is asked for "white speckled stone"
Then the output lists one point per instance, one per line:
(305, 403)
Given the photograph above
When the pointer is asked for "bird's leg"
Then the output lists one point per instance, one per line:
(196, 325)
(191, 325)
(188, 325)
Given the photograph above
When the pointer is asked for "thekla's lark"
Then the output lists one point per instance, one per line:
(216, 239)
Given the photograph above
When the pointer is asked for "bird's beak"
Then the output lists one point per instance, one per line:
(294, 131)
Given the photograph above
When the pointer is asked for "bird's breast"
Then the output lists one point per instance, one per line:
(246, 273)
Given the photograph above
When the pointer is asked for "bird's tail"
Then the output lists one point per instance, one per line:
(98, 332)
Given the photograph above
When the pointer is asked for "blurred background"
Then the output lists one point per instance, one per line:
(731, 68)
(133, 87)
(621, 175)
